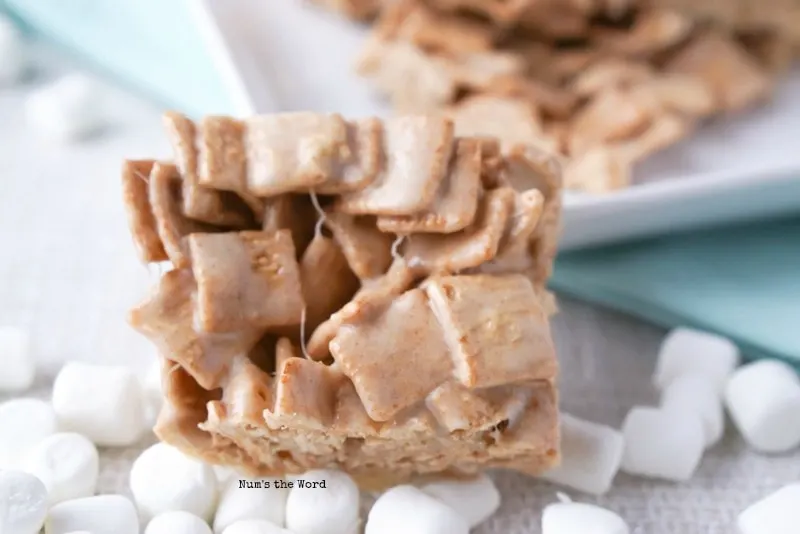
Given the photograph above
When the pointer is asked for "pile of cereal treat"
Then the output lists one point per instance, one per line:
(603, 83)
(361, 295)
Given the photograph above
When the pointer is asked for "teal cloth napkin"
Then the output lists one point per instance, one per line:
(150, 46)
(742, 282)
(739, 281)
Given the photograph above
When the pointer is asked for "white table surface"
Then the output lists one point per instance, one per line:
(68, 273)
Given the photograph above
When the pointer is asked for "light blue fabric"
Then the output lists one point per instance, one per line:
(152, 46)
(740, 281)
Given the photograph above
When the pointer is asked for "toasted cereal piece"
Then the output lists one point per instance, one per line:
(501, 12)
(414, 81)
(222, 164)
(529, 167)
(479, 71)
(417, 150)
(305, 395)
(200, 203)
(284, 351)
(359, 161)
(511, 120)
(367, 249)
(653, 31)
(142, 224)
(553, 101)
(247, 393)
(245, 280)
(167, 319)
(610, 73)
(373, 296)
(290, 212)
(598, 170)
(495, 328)
(556, 19)
(513, 254)
(774, 50)
(610, 116)
(327, 281)
(666, 129)
(292, 151)
(172, 226)
(457, 407)
(388, 379)
(451, 33)
(676, 93)
(456, 202)
(733, 75)
(476, 244)
(355, 9)
(552, 66)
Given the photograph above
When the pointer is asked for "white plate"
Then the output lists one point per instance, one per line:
(287, 55)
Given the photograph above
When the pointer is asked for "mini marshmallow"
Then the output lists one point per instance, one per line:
(695, 393)
(23, 503)
(763, 399)
(13, 56)
(163, 479)
(67, 464)
(475, 500)
(590, 456)
(177, 523)
(405, 509)
(576, 518)
(225, 475)
(255, 526)
(330, 510)
(662, 444)
(153, 393)
(239, 503)
(103, 514)
(68, 109)
(23, 424)
(103, 403)
(779, 513)
(686, 351)
(19, 368)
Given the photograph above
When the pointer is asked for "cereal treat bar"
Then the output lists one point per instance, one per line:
(604, 84)
(366, 295)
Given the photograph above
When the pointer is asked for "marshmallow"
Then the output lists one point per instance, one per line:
(330, 510)
(225, 475)
(694, 393)
(103, 403)
(590, 456)
(23, 503)
(67, 464)
(177, 523)
(763, 399)
(153, 393)
(686, 351)
(240, 502)
(23, 424)
(103, 514)
(405, 509)
(13, 57)
(255, 526)
(163, 479)
(475, 500)
(575, 518)
(19, 368)
(662, 444)
(68, 109)
(779, 513)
